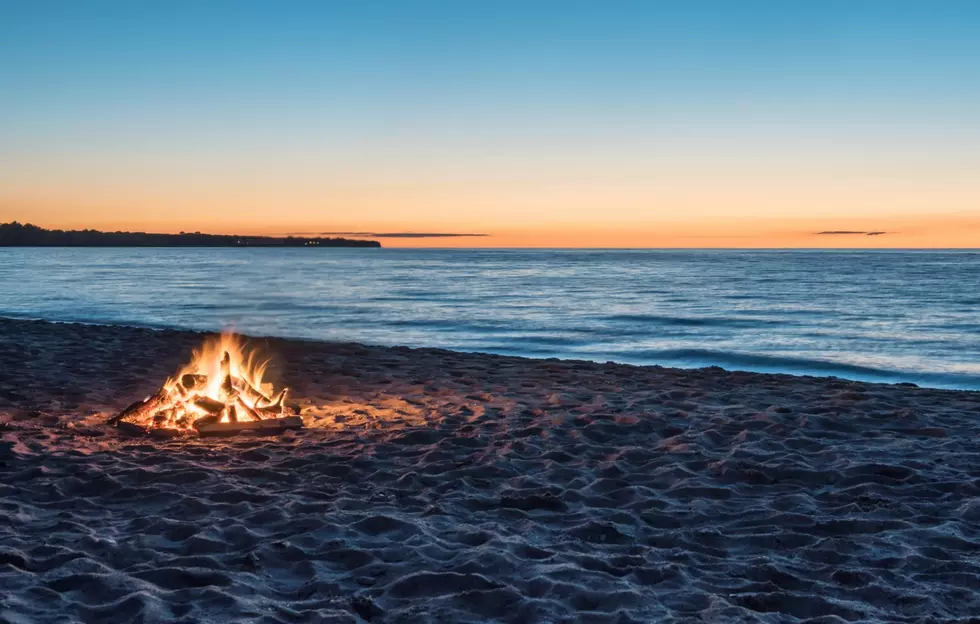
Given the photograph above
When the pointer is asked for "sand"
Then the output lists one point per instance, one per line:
(448, 487)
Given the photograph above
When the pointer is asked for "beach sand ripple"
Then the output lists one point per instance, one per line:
(440, 486)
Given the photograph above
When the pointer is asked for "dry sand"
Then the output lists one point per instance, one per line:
(450, 487)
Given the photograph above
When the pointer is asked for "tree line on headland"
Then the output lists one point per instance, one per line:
(26, 235)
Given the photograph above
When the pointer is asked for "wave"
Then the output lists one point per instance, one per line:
(698, 358)
(559, 347)
(691, 321)
(447, 325)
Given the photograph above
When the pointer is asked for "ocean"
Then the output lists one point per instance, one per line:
(890, 316)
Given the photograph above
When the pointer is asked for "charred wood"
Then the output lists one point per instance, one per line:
(212, 406)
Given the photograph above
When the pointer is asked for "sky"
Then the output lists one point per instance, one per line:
(539, 123)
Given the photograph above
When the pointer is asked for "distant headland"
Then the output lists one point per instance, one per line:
(26, 235)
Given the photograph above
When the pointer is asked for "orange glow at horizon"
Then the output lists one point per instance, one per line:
(946, 231)
(724, 208)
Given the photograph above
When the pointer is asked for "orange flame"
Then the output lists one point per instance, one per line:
(222, 383)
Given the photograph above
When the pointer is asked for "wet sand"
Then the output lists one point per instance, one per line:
(438, 486)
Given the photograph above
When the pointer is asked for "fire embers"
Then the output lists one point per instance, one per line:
(220, 392)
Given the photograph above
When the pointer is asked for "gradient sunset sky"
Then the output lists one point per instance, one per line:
(541, 123)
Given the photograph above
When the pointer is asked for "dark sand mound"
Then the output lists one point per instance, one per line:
(439, 486)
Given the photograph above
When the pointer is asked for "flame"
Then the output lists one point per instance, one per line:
(223, 382)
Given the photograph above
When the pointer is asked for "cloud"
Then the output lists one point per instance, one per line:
(387, 234)
(848, 232)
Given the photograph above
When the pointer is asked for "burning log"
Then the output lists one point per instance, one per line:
(243, 406)
(192, 382)
(206, 420)
(156, 432)
(131, 429)
(141, 409)
(195, 400)
(267, 426)
(276, 407)
(226, 385)
(209, 405)
(251, 393)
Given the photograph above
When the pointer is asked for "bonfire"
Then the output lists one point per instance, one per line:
(219, 392)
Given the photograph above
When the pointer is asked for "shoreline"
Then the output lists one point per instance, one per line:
(15, 234)
(448, 486)
(810, 368)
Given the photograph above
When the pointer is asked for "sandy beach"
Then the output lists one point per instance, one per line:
(431, 485)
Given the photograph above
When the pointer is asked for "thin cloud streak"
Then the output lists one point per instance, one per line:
(387, 234)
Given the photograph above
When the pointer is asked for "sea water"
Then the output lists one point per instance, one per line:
(870, 315)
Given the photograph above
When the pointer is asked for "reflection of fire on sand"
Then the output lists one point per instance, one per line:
(220, 392)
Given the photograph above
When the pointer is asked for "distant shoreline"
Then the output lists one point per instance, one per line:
(27, 235)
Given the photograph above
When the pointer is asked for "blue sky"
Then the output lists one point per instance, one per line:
(448, 95)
